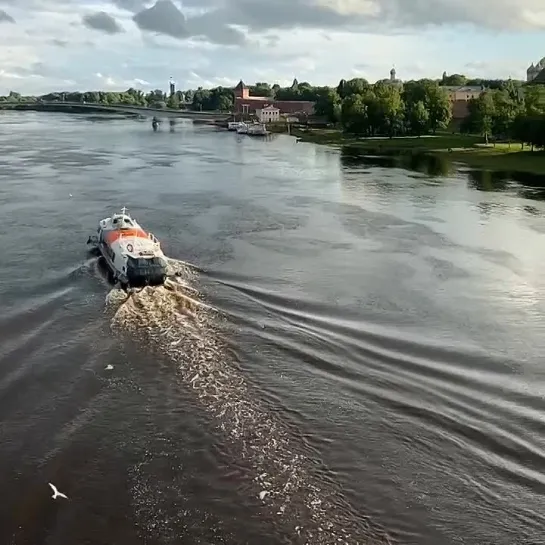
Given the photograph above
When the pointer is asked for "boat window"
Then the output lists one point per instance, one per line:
(144, 262)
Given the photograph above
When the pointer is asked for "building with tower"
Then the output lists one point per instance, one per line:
(533, 71)
(392, 80)
(248, 104)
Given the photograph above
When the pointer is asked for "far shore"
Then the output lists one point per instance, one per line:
(469, 149)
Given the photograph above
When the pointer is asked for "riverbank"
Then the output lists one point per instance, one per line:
(468, 149)
(62, 107)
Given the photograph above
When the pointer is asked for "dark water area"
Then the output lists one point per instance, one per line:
(389, 317)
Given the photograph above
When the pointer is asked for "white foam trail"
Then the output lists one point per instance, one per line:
(179, 325)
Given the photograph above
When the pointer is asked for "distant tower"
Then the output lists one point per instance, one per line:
(393, 74)
(242, 91)
(172, 87)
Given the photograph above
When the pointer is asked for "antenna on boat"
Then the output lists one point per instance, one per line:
(124, 210)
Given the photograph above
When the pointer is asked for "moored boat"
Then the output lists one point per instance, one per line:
(257, 129)
(242, 128)
(134, 257)
(233, 125)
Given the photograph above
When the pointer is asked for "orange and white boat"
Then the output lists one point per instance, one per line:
(133, 255)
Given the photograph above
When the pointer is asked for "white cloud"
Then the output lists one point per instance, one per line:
(217, 42)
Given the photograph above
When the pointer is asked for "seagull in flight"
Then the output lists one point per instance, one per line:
(56, 493)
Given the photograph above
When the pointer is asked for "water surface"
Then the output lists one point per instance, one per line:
(389, 321)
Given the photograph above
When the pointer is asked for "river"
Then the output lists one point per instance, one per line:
(374, 336)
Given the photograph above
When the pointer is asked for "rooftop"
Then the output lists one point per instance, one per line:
(463, 88)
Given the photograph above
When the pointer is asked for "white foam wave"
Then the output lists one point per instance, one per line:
(181, 326)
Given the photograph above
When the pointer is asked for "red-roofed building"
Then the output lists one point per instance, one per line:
(246, 104)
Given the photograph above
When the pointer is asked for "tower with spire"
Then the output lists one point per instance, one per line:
(393, 74)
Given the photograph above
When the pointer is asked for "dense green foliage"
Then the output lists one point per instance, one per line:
(509, 113)
(385, 108)
(458, 80)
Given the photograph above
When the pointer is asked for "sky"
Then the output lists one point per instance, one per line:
(69, 45)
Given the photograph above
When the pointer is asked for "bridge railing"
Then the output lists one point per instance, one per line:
(128, 108)
(140, 108)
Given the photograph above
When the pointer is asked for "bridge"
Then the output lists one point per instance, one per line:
(81, 107)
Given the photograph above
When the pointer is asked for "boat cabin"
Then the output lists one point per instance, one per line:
(122, 221)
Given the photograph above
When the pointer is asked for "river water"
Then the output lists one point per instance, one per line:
(356, 354)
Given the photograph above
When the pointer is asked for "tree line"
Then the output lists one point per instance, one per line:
(510, 113)
(386, 108)
(505, 110)
(219, 98)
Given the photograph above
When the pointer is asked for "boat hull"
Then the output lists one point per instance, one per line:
(133, 277)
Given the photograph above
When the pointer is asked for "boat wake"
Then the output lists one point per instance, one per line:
(177, 323)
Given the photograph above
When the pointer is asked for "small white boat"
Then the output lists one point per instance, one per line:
(242, 128)
(233, 125)
(257, 129)
(133, 256)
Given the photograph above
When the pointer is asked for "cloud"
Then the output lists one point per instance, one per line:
(163, 18)
(350, 15)
(142, 43)
(112, 84)
(6, 17)
(130, 5)
(102, 21)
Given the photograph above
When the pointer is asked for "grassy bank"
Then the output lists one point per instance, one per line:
(467, 149)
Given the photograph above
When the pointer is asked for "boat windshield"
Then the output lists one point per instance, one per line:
(145, 262)
(122, 222)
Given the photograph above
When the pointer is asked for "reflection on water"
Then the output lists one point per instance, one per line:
(430, 165)
(523, 184)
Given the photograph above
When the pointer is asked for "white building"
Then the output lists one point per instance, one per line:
(269, 114)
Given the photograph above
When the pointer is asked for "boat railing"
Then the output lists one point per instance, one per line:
(153, 238)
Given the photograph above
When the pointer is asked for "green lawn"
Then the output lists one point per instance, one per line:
(502, 157)
(469, 149)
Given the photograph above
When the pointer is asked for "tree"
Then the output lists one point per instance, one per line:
(454, 80)
(506, 110)
(328, 104)
(391, 107)
(534, 100)
(438, 106)
(261, 89)
(224, 103)
(355, 86)
(481, 114)
(354, 114)
(174, 102)
(419, 118)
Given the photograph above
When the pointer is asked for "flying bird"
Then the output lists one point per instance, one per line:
(56, 493)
